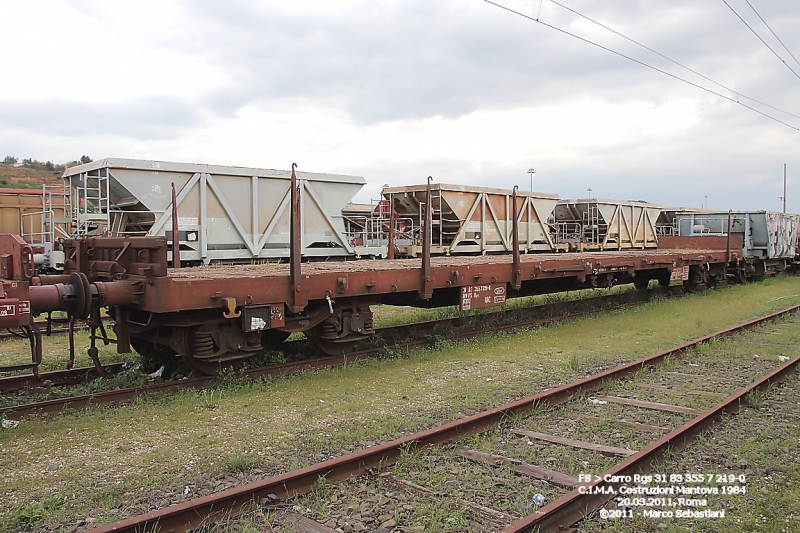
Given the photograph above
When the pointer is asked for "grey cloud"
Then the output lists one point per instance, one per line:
(420, 59)
(145, 118)
(415, 59)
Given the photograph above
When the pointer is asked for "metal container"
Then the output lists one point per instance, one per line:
(767, 235)
(666, 226)
(470, 219)
(593, 224)
(39, 216)
(224, 213)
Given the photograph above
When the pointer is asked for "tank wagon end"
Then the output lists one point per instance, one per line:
(766, 241)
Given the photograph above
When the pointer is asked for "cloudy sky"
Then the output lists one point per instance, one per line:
(398, 90)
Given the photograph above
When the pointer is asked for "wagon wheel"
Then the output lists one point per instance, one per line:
(190, 347)
(641, 283)
(210, 368)
(154, 355)
(326, 347)
(665, 279)
(206, 368)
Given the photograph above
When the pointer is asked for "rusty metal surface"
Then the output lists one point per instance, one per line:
(709, 242)
(186, 308)
(188, 515)
(426, 284)
(296, 303)
(110, 258)
(176, 245)
(259, 284)
(267, 270)
(16, 259)
(516, 271)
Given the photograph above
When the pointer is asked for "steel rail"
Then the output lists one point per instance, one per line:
(189, 515)
(72, 376)
(120, 396)
(583, 501)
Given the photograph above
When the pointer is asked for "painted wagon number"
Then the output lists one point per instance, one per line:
(680, 274)
(477, 296)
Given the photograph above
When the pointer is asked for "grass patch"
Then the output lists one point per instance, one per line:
(237, 463)
(574, 362)
(30, 515)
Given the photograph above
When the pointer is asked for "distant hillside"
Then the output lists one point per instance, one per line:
(32, 174)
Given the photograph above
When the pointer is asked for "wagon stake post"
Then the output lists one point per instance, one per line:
(426, 288)
(176, 246)
(516, 277)
(295, 241)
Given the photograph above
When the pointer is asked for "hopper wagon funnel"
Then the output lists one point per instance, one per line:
(594, 224)
(467, 219)
(224, 213)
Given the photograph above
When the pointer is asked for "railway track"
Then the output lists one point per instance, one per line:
(42, 325)
(74, 376)
(565, 498)
(420, 330)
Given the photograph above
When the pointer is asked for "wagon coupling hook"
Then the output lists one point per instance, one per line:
(230, 308)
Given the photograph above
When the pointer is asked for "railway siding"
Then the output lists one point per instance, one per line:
(161, 447)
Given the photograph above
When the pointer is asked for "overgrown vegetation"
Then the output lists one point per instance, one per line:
(32, 173)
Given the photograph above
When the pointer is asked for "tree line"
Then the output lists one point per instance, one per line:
(49, 166)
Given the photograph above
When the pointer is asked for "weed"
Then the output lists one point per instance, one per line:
(440, 343)
(574, 362)
(210, 399)
(440, 516)
(409, 457)
(411, 393)
(386, 353)
(669, 364)
(753, 399)
(238, 463)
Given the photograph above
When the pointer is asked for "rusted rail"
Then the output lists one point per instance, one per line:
(580, 503)
(189, 515)
(72, 376)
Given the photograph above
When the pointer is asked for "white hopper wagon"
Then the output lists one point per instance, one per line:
(593, 224)
(224, 213)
